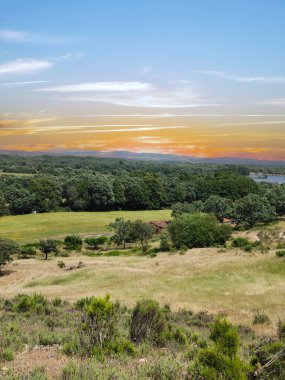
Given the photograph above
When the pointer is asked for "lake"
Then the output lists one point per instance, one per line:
(269, 178)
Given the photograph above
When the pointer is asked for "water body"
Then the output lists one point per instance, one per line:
(268, 178)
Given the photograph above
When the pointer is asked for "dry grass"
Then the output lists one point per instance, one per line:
(231, 282)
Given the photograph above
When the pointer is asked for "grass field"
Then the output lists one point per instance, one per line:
(202, 279)
(32, 227)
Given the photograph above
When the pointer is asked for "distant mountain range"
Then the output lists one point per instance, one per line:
(150, 157)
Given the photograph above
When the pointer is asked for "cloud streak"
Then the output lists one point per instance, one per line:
(24, 66)
(24, 83)
(100, 87)
(244, 79)
(19, 36)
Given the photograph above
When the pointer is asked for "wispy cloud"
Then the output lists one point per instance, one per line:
(19, 36)
(100, 87)
(24, 65)
(132, 94)
(276, 102)
(245, 79)
(267, 122)
(24, 83)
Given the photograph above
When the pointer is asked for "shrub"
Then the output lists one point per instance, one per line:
(164, 242)
(48, 246)
(148, 322)
(100, 318)
(197, 231)
(61, 264)
(7, 355)
(26, 251)
(24, 303)
(164, 369)
(95, 242)
(73, 242)
(280, 253)
(260, 317)
(280, 245)
(120, 346)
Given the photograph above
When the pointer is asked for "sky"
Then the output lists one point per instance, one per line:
(198, 78)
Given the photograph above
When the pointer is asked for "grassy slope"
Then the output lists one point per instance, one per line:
(206, 279)
(30, 228)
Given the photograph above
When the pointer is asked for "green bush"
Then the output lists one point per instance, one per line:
(61, 264)
(280, 253)
(260, 318)
(24, 303)
(198, 230)
(27, 251)
(73, 242)
(100, 319)
(95, 242)
(148, 322)
(7, 355)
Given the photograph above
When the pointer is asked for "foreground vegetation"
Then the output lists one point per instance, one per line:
(98, 338)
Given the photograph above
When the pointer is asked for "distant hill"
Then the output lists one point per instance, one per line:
(151, 157)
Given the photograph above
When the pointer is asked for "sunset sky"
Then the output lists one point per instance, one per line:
(199, 78)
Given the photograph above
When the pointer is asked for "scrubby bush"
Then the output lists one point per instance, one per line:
(164, 242)
(61, 264)
(27, 251)
(280, 253)
(220, 360)
(197, 231)
(24, 303)
(260, 317)
(100, 319)
(95, 242)
(148, 322)
(73, 242)
(7, 355)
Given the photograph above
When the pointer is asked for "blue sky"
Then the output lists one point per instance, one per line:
(66, 59)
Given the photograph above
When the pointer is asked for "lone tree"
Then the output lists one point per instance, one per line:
(122, 229)
(8, 247)
(48, 246)
(142, 232)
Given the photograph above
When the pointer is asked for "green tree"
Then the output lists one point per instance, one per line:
(218, 206)
(197, 231)
(8, 248)
(276, 197)
(48, 246)
(253, 209)
(187, 208)
(3, 208)
(141, 232)
(122, 231)
(47, 193)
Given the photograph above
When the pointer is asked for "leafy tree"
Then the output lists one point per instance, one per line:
(122, 229)
(219, 206)
(48, 246)
(253, 209)
(8, 248)
(3, 208)
(101, 193)
(73, 242)
(21, 201)
(276, 197)
(141, 232)
(27, 251)
(47, 193)
(136, 193)
(197, 231)
(187, 208)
